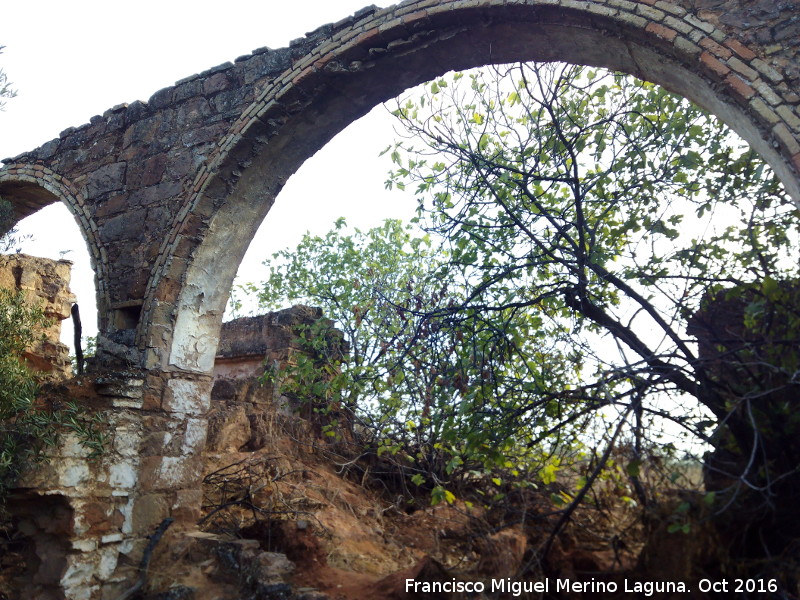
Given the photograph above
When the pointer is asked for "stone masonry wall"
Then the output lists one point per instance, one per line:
(87, 520)
(45, 283)
(249, 344)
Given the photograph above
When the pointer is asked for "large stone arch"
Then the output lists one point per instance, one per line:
(376, 55)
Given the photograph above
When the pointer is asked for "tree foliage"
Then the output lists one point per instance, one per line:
(614, 212)
(6, 91)
(22, 428)
(577, 226)
(27, 427)
(406, 380)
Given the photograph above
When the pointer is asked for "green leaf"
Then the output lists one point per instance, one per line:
(633, 468)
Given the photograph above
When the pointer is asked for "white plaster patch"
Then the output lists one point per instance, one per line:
(72, 472)
(194, 440)
(194, 340)
(71, 447)
(170, 471)
(108, 562)
(127, 516)
(123, 475)
(84, 545)
(189, 397)
(176, 472)
(84, 592)
(80, 526)
(111, 538)
(126, 442)
(126, 403)
(80, 569)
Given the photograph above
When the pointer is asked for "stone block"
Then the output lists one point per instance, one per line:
(108, 178)
(156, 443)
(764, 111)
(738, 66)
(790, 116)
(96, 518)
(216, 83)
(187, 396)
(107, 561)
(148, 512)
(170, 472)
(194, 440)
(123, 474)
(766, 70)
(686, 46)
(80, 568)
(186, 507)
(82, 592)
(650, 13)
(73, 473)
(786, 138)
(766, 92)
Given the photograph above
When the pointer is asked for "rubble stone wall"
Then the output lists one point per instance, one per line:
(248, 344)
(45, 283)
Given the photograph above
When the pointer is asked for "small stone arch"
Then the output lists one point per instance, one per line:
(375, 55)
(31, 187)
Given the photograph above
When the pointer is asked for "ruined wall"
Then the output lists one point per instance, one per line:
(248, 344)
(45, 283)
(79, 516)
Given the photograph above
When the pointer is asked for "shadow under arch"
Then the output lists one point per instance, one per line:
(326, 91)
(30, 188)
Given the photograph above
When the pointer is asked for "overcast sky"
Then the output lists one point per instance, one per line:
(72, 60)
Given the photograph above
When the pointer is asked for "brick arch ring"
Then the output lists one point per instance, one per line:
(375, 55)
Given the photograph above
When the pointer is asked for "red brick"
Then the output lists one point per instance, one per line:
(796, 161)
(715, 65)
(420, 15)
(715, 48)
(661, 31)
(740, 49)
(740, 87)
(369, 37)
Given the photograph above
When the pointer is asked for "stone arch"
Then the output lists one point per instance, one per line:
(30, 187)
(377, 54)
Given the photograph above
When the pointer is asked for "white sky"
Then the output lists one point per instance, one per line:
(72, 60)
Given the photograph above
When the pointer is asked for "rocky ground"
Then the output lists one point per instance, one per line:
(291, 515)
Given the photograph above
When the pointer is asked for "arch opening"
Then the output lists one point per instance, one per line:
(37, 205)
(604, 432)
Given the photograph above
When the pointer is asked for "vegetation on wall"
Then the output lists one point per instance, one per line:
(27, 426)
